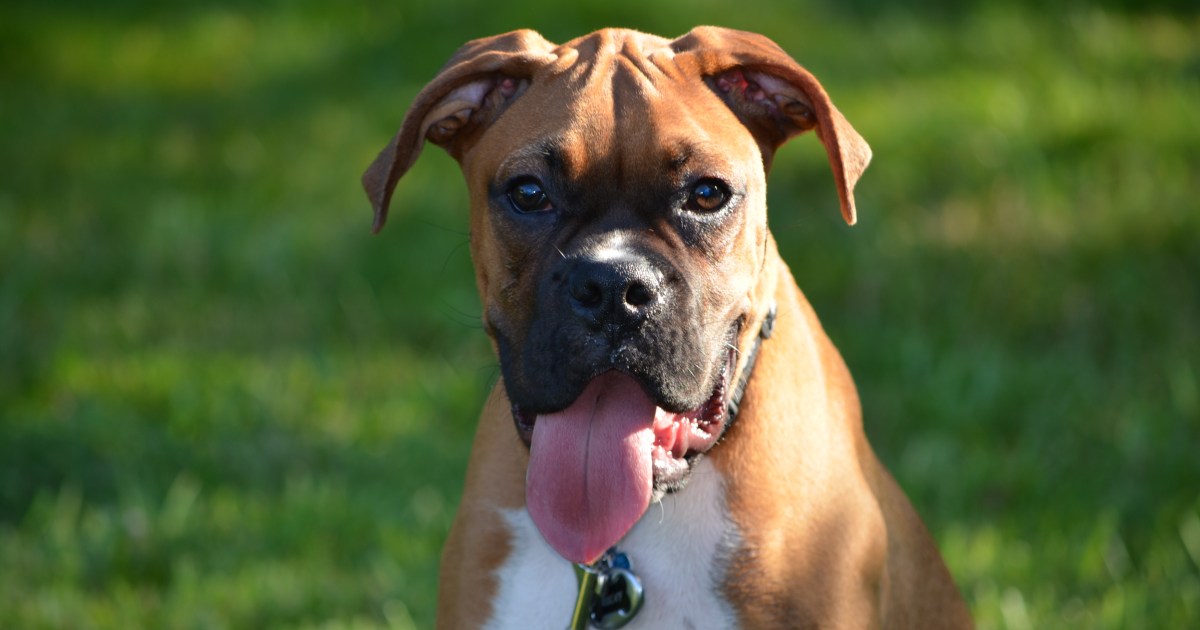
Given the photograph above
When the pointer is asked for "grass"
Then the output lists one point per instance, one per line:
(224, 404)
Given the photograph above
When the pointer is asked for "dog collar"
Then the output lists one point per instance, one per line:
(739, 389)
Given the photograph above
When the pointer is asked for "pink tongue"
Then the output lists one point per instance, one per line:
(590, 469)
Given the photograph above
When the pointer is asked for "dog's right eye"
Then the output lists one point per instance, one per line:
(707, 196)
(526, 196)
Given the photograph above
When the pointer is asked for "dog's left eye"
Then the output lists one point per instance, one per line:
(708, 195)
(526, 195)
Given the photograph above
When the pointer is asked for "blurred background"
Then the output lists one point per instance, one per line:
(224, 404)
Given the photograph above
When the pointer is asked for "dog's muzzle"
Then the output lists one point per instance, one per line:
(648, 390)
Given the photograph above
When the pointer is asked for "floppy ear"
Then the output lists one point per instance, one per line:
(776, 99)
(470, 92)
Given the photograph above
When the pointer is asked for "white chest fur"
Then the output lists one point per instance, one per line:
(677, 549)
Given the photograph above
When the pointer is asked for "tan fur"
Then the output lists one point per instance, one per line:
(827, 537)
(838, 545)
(478, 542)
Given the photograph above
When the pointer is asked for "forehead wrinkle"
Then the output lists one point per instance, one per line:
(700, 157)
(633, 71)
(547, 152)
(553, 156)
(678, 158)
(638, 80)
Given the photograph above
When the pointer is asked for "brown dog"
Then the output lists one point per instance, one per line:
(667, 392)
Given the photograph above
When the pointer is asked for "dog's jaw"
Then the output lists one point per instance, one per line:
(595, 466)
(680, 438)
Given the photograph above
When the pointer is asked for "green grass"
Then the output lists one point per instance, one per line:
(224, 404)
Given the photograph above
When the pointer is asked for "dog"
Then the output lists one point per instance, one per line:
(673, 435)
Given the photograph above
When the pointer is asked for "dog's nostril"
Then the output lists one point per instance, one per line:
(587, 293)
(638, 294)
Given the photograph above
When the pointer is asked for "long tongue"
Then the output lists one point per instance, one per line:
(590, 468)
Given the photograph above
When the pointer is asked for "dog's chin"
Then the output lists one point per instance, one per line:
(680, 439)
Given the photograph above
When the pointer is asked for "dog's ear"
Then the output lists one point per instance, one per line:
(776, 99)
(469, 93)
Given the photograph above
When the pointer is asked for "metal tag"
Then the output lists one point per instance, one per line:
(618, 599)
(610, 595)
(589, 582)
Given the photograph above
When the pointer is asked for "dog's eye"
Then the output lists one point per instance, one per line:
(708, 195)
(526, 195)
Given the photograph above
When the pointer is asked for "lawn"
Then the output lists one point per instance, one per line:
(224, 404)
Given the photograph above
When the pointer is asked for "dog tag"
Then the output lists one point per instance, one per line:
(589, 583)
(618, 599)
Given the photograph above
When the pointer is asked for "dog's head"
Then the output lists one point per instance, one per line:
(619, 234)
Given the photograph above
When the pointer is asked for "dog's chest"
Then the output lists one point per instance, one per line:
(677, 550)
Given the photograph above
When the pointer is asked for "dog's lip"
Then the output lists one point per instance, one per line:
(524, 421)
(678, 437)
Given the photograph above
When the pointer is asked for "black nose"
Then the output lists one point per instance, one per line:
(616, 291)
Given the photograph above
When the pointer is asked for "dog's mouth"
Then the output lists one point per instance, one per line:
(679, 438)
(595, 466)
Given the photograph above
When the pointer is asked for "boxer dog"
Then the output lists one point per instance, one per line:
(674, 441)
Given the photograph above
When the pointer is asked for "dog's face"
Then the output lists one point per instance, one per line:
(619, 235)
(628, 243)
